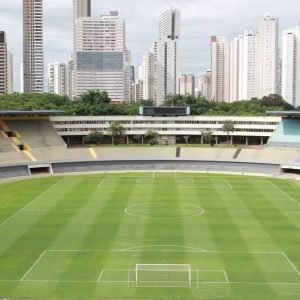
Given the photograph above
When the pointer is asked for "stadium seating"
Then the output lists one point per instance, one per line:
(287, 135)
(36, 133)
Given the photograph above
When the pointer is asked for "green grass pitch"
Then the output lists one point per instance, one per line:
(80, 237)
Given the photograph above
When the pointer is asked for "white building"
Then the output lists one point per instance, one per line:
(148, 67)
(220, 69)
(57, 79)
(22, 78)
(187, 85)
(102, 59)
(33, 54)
(267, 56)
(166, 50)
(291, 66)
(247, 83)
(234, 69)
(81, 9)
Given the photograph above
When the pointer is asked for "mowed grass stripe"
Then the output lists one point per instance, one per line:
(160, 220)
(197, 232)
(16, 195)
(283, 227)
(226, 233)
(102, 232)
(26, 248)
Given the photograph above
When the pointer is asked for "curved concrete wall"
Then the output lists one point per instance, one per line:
(146, 165)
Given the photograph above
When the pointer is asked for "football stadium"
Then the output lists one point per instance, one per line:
(132, 221)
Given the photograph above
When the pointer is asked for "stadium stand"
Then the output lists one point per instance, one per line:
(46, 146)
(287, 134)
(36, 133)
(107, 153)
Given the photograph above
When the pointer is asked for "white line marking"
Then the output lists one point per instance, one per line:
(283, 192)
(99, 277)
(35, 199)
(226, 277)
(107, 281)
(36, 262)
(100, 184)
(290, 262)
(129, 278)
(228, 183)
(141, 248)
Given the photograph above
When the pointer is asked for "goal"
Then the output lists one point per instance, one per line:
(163, 275)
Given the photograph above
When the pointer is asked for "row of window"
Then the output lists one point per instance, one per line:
(164, 122)
(163, 129)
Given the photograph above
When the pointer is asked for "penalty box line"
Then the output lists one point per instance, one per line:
(292, 265)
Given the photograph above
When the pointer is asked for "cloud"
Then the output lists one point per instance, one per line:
(200, 20)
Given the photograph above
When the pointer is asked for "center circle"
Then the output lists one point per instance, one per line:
(164, 210)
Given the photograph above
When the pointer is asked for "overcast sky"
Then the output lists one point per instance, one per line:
(200, 20)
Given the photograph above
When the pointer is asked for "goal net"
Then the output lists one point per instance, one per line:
(163, 275)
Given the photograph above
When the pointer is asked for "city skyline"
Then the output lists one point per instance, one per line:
(214, 18)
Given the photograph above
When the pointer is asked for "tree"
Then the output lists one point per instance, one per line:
(95, 137)
(152, 136)
(117, 132)
(207, 134)
(228, 127)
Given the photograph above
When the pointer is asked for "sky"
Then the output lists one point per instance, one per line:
(199, 20)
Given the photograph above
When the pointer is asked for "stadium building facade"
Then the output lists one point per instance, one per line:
(248, 130)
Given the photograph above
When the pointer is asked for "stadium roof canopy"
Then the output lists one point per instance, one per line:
(292, 113)
(31, 112)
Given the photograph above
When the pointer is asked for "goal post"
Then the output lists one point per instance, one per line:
(163, 275)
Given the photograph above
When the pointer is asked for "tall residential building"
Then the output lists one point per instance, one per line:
(166, 51)
(70, 80)
(57, 79)
(81, 9)
(148, 67)
(102, 59)
(3, 64)
(132, 83)
(139, 85)
(22, 78)
(220, 69)
(267, 56)
(291, 66)
(234, 69)
(247, 82)
(10, 73)
(33, 54)
(204, 85)
(187, 85)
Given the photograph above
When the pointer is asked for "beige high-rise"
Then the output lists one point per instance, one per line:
(187, 85)
(220, 69)
(33, 54)
(3, 64)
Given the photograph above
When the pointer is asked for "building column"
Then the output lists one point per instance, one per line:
(142, 140)
(247, 141)
(216, 139)
(127, 139)
(262, 141)
(202, 139)
(231, 140)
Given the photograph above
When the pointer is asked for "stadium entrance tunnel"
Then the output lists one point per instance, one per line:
(40, 169)
(164, 210)
(290, 170)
